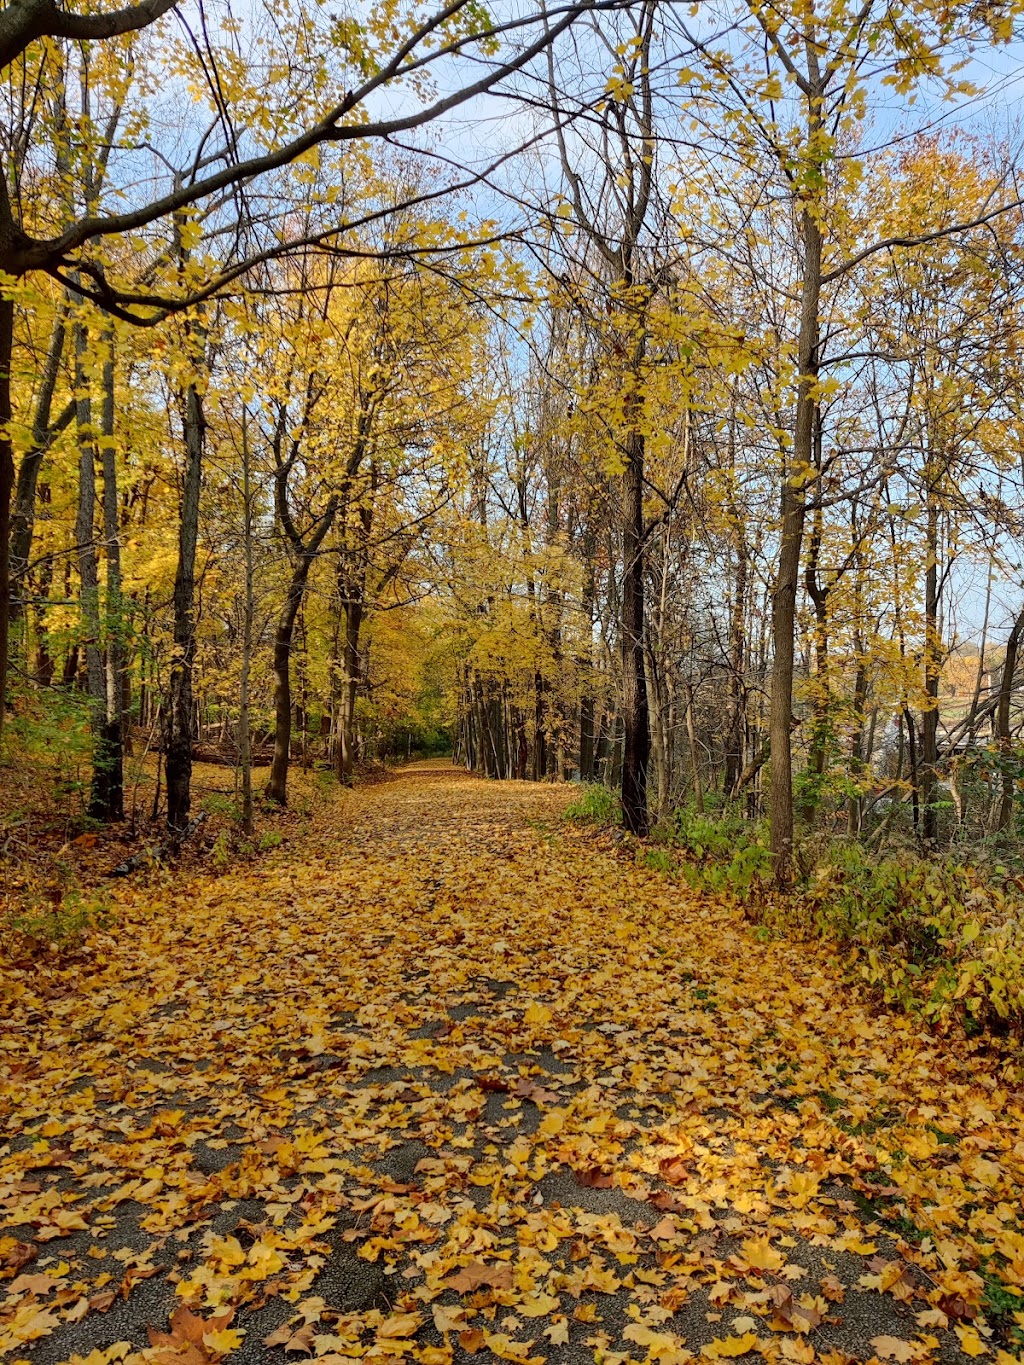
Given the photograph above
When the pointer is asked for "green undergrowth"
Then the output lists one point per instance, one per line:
(936, 936)
(595, 805)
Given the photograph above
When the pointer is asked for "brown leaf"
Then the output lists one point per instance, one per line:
(101, 1303)
(477, 1274)
(184, 1342)
(34, 1284)
(668, 1203)
(139, 1272)
(956, 1306)
(593, 1178)
(528, 1090)
(493, 1085)
(674, 1170)
(280, 1336)
(471, 1340)
(833, 1289)
(302, 1340)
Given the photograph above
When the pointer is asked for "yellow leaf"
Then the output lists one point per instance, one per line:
(730, 1346)
(222, 1342)
(759, 1253)
(970, 1342)
(401, 1325)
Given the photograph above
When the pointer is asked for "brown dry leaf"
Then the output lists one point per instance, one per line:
(593, 1178)
(833, 1289)
(537, 1094)
(477, 1274)
(674, 1170)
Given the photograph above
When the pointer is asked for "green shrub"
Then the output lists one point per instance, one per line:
(657, 859)
(723, 854)
(929, 934)
(62, 925)
(595, 805)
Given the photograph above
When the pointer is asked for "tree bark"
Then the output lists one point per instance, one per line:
(636, 717)
(6, 492)
(277, 787)
(793, 510)
(1002, 718)
(178, 707)
(930, 712)
(107, 801)
(23, 519)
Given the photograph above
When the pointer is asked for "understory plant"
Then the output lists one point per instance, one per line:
(929, 933)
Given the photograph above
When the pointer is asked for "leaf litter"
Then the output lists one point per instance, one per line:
(448, 1080)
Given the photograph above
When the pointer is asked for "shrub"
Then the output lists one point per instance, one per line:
(933, 935)
(723, 854)
(595, 805)
(61, 925)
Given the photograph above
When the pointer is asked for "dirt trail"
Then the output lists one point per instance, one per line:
(445, 1078)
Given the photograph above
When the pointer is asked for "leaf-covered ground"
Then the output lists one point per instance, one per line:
(446, 1079)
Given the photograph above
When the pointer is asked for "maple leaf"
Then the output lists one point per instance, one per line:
(476, 1274)
(400, 1325)
(593, 1178)
(834, 1290)
(538, 1305)
(529, 1090)
(449, 1319)
(557, 1332)
(730, 1346)
(16, 1254)
(493, 1084)
(674, 1170)
(759, 1254)
(893, 1348)
(970, 1342)
(221, 1342)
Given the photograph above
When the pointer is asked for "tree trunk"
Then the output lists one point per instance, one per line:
(636, 718)
(88, 575)
(107, 801)
(1002, 735)
(178, 708)
(248, 613)
(23, 520)
(793, 507)
(734, 745)
(352, 611)
(277, 787)
(6, 492)
(930, 713)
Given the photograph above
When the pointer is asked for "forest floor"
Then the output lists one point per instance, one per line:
(446, 1078)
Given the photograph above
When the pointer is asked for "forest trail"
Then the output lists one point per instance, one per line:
(447, 1078)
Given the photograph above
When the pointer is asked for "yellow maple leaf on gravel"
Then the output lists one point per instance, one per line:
(730, 1346)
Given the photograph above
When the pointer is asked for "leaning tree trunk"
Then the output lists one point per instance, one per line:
(23, 519)
(636, 718)
(178, 708)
